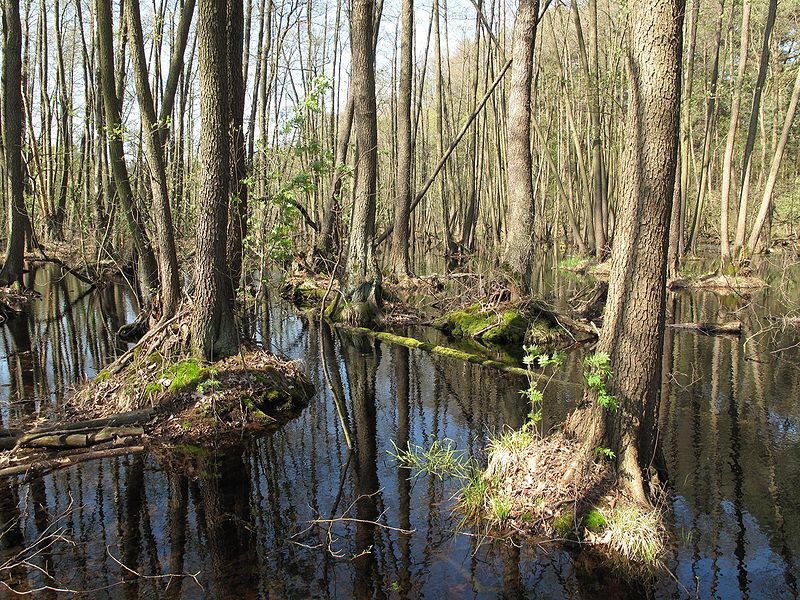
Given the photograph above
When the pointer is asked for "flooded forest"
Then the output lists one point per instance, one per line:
(366, 299)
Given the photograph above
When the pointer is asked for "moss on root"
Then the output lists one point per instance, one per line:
(504, 327)
(510, 326)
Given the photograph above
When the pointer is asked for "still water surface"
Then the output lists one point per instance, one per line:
(240, 520)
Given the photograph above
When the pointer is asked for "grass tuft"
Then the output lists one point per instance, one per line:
(635, 538)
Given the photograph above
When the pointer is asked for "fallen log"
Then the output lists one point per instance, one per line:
(730, 328)
(434, 349)
(76, 438)
(48, 465)
(78, 434)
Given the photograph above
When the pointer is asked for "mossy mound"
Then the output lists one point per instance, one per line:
(191, 399)
(252, 390)
(503, 326)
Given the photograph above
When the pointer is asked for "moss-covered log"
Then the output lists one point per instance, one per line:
(434, 349)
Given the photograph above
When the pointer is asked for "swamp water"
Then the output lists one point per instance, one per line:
(292, 514)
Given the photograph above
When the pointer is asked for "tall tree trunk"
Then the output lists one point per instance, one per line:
(400, 235)
(518, 253)
(213, 328)
(766, 200)
(237, 215)
(752, 127)
(633, 328)
(725, 248)
(12, 143)
(119, 169)
(154, 151)
(711, 117)
(362, 280)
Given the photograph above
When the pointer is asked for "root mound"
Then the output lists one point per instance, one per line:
(531, 480)
(190, 397)
(251, 390)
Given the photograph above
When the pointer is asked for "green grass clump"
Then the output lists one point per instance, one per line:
(500, 508)
(473, 494)
(441, 459)
(512, 441)
(636, 537)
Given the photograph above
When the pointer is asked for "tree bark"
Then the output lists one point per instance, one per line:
(154, 151)
(518, 254)
(213, 328)
(402, 204)
(741, 223)
(12, 143)
(633, 329)
(116, 151)
(362, 264)
(725, 247)
(766, 200)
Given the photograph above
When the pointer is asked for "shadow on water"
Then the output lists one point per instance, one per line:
(320, 509)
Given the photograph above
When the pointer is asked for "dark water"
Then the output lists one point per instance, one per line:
(241, 520)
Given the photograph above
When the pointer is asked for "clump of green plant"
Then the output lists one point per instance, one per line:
(596, 372)
(209, 385)
(573, 262)
(500, 508)
(176, 377)
(635, 537)
(505, 449)
(535, 356)
(606, 453)
(473, 493)
(287, 191)
(441, 459)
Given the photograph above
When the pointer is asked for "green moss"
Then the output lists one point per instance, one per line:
(190, 449)
(308, 294)
(102, 376)
(506, 327)
(511, 329)
(564, 524)
(440, 350)
(185, 375)
(594, 521)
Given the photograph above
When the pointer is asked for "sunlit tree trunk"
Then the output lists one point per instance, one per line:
(213, 328)
(725, 248)
(518, 254)
(402, 203)
(766, 200)
(747, 161)
(633, 327)
(362, 279)
(162, 215)
(115, 134)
